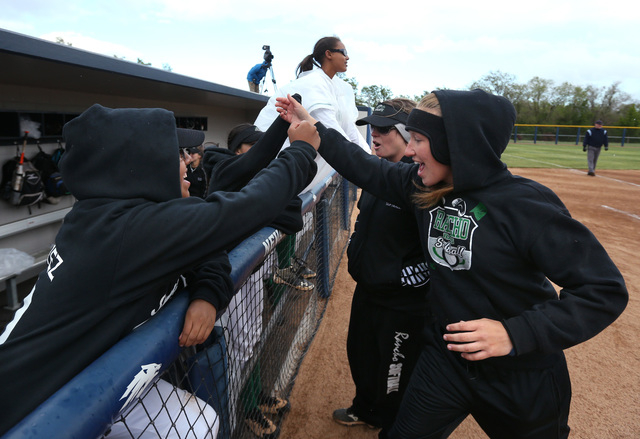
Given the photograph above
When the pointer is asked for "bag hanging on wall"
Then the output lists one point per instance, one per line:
(21, 183)
(51, 177)
(57, 154)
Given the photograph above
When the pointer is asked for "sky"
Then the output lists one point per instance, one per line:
(409, 47)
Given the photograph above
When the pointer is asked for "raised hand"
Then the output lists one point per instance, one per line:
(306, 132)
(292, 111)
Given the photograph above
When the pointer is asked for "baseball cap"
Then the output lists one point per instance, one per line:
(384, 116)
(189, 138)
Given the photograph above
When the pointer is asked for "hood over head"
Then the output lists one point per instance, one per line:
(478, 127)
(214, 155)
(122, 154)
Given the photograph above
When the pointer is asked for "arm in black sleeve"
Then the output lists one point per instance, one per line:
(392, 182)
(234, 173)
(211, 281)
(593, 290)
(219, 221)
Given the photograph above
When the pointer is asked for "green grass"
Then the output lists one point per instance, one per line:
(568, 155)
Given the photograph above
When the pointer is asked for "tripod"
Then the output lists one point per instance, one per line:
(263, 84)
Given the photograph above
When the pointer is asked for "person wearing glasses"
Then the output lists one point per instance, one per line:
(327, 97)
(390, 299)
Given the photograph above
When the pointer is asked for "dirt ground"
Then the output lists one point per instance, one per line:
(605, 370)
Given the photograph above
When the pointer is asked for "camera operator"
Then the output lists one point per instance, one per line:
(258, 72)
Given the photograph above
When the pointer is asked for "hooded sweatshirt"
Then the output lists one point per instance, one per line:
(385, 258)
(495, 243)
(228, 171)
(121, 250)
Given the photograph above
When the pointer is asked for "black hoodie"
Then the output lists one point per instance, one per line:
(121, 250)
(228, 171)
(497, 240)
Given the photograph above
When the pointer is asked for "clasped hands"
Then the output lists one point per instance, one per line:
(302, 124)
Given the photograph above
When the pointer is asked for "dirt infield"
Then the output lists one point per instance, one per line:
(605, 370)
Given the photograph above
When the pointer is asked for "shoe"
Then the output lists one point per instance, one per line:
(273, 405)
(260, 425)
(288, 276)
(348, 418)
(302, 269)
(593, 174)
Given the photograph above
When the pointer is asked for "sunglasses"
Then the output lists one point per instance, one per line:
(383, 130)
(342, 51)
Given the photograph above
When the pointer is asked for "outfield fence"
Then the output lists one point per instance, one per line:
(572, 133)
(252, 355)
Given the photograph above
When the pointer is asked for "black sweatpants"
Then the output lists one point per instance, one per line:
(383, 346)
(506, 403)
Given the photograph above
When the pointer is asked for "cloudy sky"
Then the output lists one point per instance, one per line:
(409, 46)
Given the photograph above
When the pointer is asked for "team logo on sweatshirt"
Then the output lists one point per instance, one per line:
(54, 260)
(140, 382)
(451, 235)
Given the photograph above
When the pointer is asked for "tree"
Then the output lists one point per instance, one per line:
(570, 105)
(354, 85)
(538, 93)
(612, 100)
(497, 83)
(372, 95)
(61, 40)
(630, 116)
(536, 102)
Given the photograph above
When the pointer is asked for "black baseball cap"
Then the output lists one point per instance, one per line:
(189, 138)
(384, 116)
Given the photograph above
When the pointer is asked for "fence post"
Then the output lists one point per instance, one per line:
(624, 133)
(345, 203)
(535, 135)
(322, 228)
(557, 134)
(578, 136)
(515, 134)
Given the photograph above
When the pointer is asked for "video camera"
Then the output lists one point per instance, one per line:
(268, 56)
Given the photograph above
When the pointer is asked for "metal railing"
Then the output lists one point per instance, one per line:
(572, 133)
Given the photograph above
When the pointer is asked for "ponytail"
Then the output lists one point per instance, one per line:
(317, 57)
(307, 64)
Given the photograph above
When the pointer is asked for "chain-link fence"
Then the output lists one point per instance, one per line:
(237, 384)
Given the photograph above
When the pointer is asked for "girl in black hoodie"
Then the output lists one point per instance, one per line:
(494, 242)
(123, 247)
